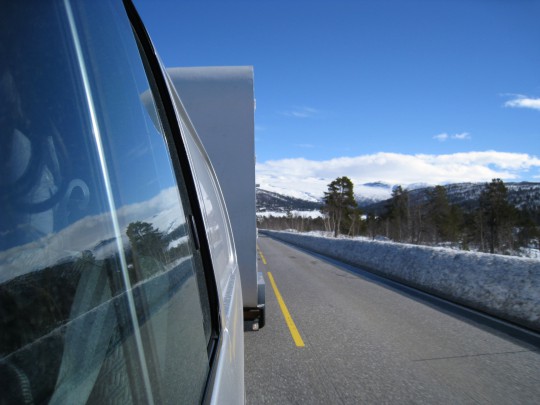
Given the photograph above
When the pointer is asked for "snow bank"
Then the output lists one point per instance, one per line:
(503, 286)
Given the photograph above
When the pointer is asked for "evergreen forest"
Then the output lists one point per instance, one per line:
(488, 224)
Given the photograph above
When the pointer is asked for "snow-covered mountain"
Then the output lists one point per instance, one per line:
(275, 200)
(372, 196)
(269, 196)
(524, 195)
(285, 193)
(370, 193)
(276, 203)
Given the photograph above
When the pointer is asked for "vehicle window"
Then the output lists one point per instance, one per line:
(101, 299)
(218, 230)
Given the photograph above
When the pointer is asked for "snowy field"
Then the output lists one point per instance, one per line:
(507, 287)
(294, 213)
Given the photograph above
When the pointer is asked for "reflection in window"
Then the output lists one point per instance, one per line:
(98, 276)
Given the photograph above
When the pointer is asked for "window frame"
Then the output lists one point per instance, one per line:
(182, 170)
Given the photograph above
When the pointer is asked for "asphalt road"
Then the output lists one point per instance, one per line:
(367, 342)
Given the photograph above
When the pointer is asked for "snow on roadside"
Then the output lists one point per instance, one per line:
(529, 252)
(504, 286)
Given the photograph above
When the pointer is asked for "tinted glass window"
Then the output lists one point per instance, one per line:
(218, 231)
(101, 299)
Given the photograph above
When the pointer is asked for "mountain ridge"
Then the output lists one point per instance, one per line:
(372, 197)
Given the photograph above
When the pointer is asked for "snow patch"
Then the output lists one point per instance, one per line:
(294, 213)
(295, 192)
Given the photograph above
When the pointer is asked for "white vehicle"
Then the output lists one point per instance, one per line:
(119, 280)
(220, 103)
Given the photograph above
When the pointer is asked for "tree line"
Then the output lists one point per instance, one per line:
(493, 225)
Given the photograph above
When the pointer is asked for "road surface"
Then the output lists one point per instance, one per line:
(355, 339)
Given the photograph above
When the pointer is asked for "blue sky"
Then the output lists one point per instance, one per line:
(398, 91)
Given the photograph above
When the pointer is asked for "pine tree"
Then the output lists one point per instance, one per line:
(339, 204)
(439, 213)
(398, 211)
(496, 214)
(145, 240)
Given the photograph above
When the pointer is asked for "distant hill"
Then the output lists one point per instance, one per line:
(370, 193)
(373, 197)
(269, 201)
(272, 199)
(523, 195)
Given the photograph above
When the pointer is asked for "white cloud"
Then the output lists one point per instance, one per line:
(302, 112)
(313, 176)
(441, 137)
(460, 137)
(521, 101)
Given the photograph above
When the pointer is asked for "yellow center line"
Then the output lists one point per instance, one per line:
(262, 256)
(288, 319)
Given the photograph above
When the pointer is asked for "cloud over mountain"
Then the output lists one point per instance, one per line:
(313, 176)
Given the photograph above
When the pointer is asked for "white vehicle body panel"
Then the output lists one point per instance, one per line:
(220, 103)
(228, 380)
